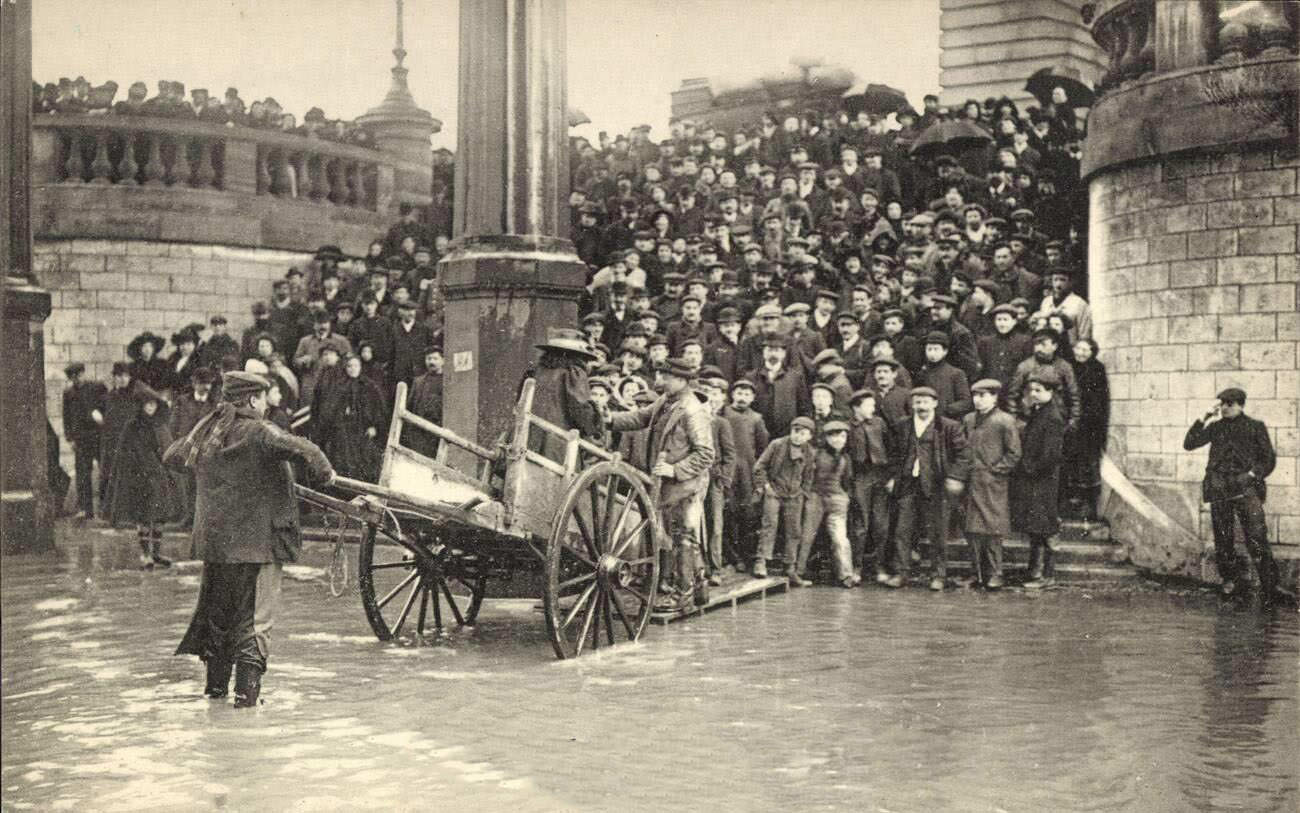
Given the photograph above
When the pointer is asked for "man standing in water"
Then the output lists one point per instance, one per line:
(1241, 458)
(245, 528)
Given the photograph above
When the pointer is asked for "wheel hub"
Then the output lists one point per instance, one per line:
(613, 571)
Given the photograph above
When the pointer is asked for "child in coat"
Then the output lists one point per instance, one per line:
(779, 477)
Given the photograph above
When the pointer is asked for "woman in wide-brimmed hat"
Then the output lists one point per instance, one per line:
(142, 488)
(563, 396)
(183, 361)
(146, 367)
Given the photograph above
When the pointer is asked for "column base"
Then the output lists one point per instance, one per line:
(26, 518)
(503, 293)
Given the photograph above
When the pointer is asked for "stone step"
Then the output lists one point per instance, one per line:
(1065, 571)
(1017, 551)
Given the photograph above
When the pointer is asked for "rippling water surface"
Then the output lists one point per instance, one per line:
(822, 699)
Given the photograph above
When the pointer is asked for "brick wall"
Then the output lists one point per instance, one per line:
(1193, 274)
(105, 292)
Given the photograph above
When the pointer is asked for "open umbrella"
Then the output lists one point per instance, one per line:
(879, 99)
(577, 117)
(1042, 81)
(949, 136)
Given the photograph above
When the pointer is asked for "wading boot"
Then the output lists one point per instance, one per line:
(693, 575)
(760, 569)
(1040, 557)
(218, 685)
(248, 685)
(146, 556)
(155, 550)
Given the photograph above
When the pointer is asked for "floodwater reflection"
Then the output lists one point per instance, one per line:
(825, 698)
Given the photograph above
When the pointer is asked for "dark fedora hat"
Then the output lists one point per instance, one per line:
(567, 340)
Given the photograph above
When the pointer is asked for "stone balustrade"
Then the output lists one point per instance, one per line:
(164, 152)
(190, 181)
(1141, 37)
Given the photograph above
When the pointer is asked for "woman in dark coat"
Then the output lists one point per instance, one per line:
(563, 395)
(1036, 481)
(1081, 471)
(183, 362)
(143, 492)
(352, 418)
(146, 367)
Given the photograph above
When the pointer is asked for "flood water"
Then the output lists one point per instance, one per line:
(817, 700)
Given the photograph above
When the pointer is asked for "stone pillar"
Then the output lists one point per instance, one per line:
(26, 518)
(1191, 163)
(991, 48)
(512, 272)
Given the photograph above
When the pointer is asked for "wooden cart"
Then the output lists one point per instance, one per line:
(434, 537)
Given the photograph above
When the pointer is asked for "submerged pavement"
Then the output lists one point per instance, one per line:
(823, 698)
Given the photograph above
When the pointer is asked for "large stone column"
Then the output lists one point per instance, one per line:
(1191, 162)
(26, 521)
(512, 271)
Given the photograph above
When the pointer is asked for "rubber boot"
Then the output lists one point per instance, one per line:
(699, 581)
(1268, 580)
(155, 546)
(666, 565)
(248, 685)
(1049, 566)
(146, 550)
(1034, 576)
(218, 685)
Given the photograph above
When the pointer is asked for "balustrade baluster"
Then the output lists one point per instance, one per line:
(101, 169)
(176, 161)
(354, 183)
(127, 168)
(263, 172)
(330, 169)
(304, 176)
(154, 171)
(75, 167)
(319, 183)
(203, 174)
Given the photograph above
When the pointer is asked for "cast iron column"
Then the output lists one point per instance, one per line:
(26, 521)
(512, 271)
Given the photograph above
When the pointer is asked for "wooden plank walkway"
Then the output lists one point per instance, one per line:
(733, 590)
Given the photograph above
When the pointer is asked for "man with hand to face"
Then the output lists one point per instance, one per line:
(1241, 458)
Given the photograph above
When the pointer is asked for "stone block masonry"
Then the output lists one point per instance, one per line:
(1194, 289)
(104, 292)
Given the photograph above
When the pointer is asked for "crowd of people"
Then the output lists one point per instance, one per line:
(816, 282)
(78, 96)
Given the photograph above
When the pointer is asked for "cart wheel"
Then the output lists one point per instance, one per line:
(398, 595)
(601, 562)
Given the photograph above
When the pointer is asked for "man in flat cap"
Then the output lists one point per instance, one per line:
(680, 453)
(246, 528)
(994, 453)
(932, 465)
(1035, 484)
(83, 415)
(1241, 458)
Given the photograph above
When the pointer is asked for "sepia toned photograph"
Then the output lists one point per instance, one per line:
(643, 405)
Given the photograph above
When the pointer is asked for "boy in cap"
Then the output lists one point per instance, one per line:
(932, 465)
(724, 352)
(1241, 458)
(945, 379)
(830, 373)
(994, 454)
(779, 477)
(826, 503)
(1002, 351)
(721, 476)
(750, 437)
(680, 454)
(1035, 485)
(869, 445)
(245, 529)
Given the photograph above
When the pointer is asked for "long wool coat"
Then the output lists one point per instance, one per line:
(142, 489)
(683, 438)
(994, 444)
(1036, 481)
(351, 406)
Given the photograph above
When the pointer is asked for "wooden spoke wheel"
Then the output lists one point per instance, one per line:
(403, 597)
(602, 566)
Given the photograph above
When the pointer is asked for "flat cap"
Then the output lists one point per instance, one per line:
(767, 310)
(858, 395)
(802, 422)
(927, 391)
(1232, 395)
(937, 337)
(832, 427)
(828, 356)
(987, 385)
(944, 299)
(1003, 308)
(237, 384)
(1046, 376)
(796, 308)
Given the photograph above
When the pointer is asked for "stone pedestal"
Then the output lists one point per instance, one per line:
(25, 512)
(512, 273)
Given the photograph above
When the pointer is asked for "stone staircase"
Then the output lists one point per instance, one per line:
(1084, 553)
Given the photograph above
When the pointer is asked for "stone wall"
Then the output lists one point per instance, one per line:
(1193, 274)
(104, 292)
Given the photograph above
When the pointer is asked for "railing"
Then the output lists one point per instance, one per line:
(159, 152)
(1145, 36)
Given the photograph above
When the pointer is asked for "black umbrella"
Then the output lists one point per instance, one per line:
(1042, 81)
(949, 136)
(879, 99)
